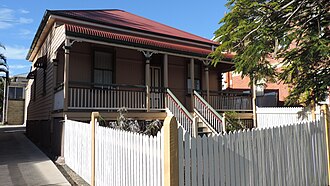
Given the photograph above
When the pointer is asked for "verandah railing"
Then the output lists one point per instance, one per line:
(226, 100)
(182, 115)
(114, 96)
(109, 97)
(157, 98)
(214, 119)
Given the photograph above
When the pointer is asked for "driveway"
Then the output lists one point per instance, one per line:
(22, 163)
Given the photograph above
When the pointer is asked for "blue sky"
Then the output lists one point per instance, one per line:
(19, 19)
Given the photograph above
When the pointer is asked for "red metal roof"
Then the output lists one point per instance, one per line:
(133, 40)
(131, 21)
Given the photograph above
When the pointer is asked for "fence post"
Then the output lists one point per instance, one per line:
(171, 152)
(93, 117)
(224, 122)
(326, 118)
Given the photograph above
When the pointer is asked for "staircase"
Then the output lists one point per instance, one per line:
(183, 117)
(204, 121)
(203, 129)
(205, 112)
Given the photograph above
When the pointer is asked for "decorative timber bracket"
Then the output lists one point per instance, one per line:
(69, 42)
(147, 54)
(206, 62)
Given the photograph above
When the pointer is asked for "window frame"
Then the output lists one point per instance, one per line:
(102, 50)
(15, 93)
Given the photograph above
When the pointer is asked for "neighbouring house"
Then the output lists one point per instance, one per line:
(102, 60)
(16, 100)
(270, 95)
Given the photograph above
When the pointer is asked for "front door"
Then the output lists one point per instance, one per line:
(156, 95)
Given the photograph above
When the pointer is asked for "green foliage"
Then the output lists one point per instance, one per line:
(3, 61)
(233, 122)
(128, 124)
(295, 32)
(2, 56)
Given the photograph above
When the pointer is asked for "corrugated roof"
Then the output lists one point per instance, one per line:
(128, 20)
(94, 33)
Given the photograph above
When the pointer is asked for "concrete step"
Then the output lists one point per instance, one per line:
(201, 134)
(200, 124)
(204, 129)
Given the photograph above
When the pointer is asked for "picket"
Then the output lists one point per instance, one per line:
(285, 155)
(199, 161)
(136, 160)
(283, 116)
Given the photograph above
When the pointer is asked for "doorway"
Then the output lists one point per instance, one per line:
(156, 90)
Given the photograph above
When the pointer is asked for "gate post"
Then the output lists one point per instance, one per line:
(94, 116)
(326, 118)
(171, 152)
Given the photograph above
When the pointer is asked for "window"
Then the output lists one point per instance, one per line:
(103, 68)
(15, 92)
(197, 73)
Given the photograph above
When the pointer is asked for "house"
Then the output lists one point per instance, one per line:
(102, 60)
(16, 100)
(270, 95)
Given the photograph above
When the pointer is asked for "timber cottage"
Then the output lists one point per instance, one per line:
(102, 60)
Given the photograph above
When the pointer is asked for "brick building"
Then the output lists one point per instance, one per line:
(16, 100)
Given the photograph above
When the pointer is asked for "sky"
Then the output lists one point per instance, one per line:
(19, 20)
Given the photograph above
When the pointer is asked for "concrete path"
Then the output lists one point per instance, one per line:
(22, 163)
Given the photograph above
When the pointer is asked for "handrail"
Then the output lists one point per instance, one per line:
(180, 112)
(98, 85)
(206, 122)
(238, 93)
(179, 103)
(211, 115)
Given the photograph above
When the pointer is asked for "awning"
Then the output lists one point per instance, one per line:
(41, 62)
(136, 41)
(31, 75)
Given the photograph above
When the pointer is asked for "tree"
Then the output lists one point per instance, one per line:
(3, 62)
(3, 59)
(296, 32)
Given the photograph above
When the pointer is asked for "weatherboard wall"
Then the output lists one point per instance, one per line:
(41, 99)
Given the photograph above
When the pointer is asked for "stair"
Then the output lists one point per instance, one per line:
(203, 129)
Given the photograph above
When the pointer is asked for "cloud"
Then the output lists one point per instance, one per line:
(25, 34)
(22, 11)
(6, 17)
(18, 66)
(9, 19)
(15, 52)
(23, 20)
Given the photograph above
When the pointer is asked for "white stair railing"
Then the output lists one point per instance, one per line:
(213, 118)
(180, 112)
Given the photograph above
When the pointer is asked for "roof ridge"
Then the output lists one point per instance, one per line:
(81, 10)
(163, 31)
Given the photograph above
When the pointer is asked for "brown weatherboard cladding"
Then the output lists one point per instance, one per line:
(41, 106)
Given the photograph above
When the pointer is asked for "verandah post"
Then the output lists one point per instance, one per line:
(326, 118)
(171, 152)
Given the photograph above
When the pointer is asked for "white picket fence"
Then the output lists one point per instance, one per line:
(286, 155)
(278, 116)
(122, 158)
(77, 148)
